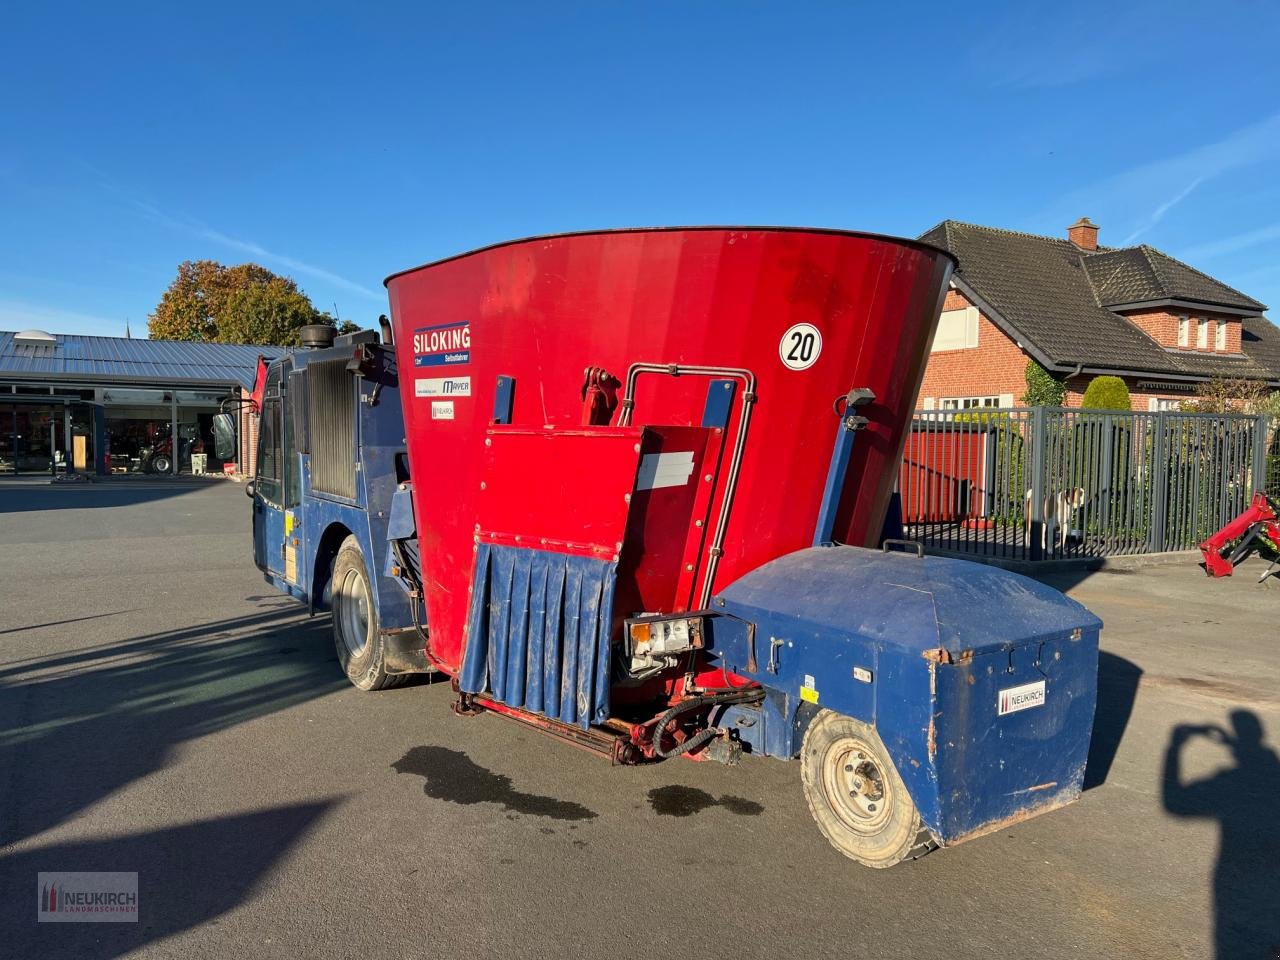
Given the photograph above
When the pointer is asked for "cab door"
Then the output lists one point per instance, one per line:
(269, 485)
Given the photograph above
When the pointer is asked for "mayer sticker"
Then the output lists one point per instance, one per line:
(1013, 699)
(442, 387)
(800, 346)
(442, 346)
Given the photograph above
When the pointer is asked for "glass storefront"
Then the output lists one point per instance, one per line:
(29, 437)
(141, 424)
(139, 436)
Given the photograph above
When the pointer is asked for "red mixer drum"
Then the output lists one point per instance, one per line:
(729, 349)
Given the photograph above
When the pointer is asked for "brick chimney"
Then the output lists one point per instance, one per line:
(1084, 234)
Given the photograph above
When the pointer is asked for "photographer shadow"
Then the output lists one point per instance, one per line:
(1242, 799)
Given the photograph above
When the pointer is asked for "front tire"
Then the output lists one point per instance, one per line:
(355, 622)
(161, 464)
(856, 796)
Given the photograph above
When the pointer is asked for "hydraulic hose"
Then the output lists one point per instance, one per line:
(702, 736)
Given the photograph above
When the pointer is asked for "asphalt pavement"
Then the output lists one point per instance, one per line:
(163, 711)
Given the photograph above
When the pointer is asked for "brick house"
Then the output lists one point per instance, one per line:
(1081, 310)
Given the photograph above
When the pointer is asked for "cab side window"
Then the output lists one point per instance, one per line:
(270, 455)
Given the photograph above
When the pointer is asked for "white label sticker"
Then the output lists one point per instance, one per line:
(664, 470)
(441, 409)
(800, 346)
(1013, 699)
(442, 387)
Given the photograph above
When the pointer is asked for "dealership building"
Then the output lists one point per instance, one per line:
(114, 405)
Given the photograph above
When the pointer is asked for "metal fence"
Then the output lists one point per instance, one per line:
(1050, 483)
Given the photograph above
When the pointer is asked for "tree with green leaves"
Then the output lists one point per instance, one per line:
(213, 303)
(1043, 388)
(1106, 393)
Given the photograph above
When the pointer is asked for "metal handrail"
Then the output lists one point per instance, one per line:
(735, 461)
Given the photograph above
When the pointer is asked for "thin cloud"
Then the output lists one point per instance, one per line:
(256, 250)
(1234, 244)
(1146, 193)
(1158, 213)
(17, 315)
(291, 263)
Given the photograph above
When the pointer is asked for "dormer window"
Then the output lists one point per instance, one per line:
(1184, 331)
(1220, 337)
(1202, 333)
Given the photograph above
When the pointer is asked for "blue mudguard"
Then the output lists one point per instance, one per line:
(981, 683)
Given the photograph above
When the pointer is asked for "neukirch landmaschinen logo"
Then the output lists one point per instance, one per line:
(99, 897)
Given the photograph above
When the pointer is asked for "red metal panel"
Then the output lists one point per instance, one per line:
(562, 490)
(543, 310)
(660, 557)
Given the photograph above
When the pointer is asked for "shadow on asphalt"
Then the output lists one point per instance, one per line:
(188, 876)
(26, 498)
(1118, 680)
(81, 726)
(1242, 800)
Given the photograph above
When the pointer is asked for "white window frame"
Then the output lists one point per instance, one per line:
(1202, 333)
(1184, 331)
(1157, 404)
(966, 338)
(960, 404)
(1220, 336)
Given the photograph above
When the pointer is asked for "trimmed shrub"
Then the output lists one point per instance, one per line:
(1106, 393)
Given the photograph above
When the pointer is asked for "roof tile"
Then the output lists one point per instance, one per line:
(1052, 294)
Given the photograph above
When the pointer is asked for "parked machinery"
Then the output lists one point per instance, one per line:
(1259, 521)
(628, 488)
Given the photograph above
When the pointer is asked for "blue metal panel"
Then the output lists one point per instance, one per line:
(504, 399)
(719, 404)
(401, 525)
(936, 659)
(538, 632)
(845, 435)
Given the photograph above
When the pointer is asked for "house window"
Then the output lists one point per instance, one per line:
(968, 403)
(1220, 336)
(1156, 404)
(1184, 331)
(1202, 333)
(957, 330)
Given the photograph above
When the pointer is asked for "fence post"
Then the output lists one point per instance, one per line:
(1159, 486)
(1261, 427)
(1036, 527)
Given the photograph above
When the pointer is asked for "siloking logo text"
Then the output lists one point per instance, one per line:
(87, 897)
(442, 346)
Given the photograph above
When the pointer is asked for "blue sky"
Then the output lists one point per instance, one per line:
(338, 145)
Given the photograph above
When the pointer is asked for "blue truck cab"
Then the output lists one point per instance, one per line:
(331, 462)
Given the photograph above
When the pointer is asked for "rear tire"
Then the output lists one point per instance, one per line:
(161, 464)
(856, 796)
(355, 622)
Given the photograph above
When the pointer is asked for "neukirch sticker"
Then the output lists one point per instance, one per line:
(1013, 699)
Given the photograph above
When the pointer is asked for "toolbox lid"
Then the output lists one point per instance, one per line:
(903, 600)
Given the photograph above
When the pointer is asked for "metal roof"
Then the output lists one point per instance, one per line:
(119, 359)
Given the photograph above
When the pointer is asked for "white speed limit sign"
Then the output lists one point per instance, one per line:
(800, 346)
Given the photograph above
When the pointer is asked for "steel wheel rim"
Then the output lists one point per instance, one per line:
(353, 613)
(858, 789)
